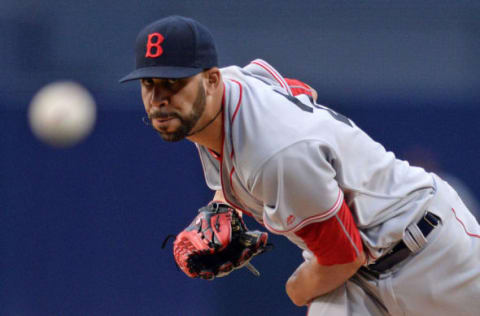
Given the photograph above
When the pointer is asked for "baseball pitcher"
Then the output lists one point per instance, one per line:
(379, 237)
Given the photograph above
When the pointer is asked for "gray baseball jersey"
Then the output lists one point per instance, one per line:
(290, 162)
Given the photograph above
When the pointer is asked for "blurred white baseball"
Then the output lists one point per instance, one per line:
(62, 113)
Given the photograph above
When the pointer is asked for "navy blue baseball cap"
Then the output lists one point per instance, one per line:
(173, 47)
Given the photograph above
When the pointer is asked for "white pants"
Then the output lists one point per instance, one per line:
(443, 278)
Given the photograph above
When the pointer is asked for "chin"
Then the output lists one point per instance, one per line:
(171, 137)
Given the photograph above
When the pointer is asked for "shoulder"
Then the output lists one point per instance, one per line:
(263, 122)
(263, 69)
(259, 70)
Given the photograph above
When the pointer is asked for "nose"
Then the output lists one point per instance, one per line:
(159, 97)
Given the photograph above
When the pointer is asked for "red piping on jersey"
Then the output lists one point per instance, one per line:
(214, 154)
(234, 116)
(239, 100)
(463, 225)
(237, 107)
(310, 219)
(273, 73)
(223, 144)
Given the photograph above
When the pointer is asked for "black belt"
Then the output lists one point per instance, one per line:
(400, 252)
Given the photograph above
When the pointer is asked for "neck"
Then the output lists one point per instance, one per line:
(211, 135)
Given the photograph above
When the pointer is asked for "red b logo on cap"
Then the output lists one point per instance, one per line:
(154, 41)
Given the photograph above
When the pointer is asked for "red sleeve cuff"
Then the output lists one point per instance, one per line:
(334, 241)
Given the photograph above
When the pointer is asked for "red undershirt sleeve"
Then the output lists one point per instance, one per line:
(334, 241)
(297, 87)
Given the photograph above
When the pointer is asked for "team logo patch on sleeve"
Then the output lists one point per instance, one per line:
(290, 219)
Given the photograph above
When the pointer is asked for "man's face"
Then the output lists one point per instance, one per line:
(174, 106)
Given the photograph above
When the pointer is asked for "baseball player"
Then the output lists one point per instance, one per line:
(379, 237)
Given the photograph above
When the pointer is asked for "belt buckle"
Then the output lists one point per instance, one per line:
(428, 219)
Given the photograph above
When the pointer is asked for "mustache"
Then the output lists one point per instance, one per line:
(147, 120)
(162, 115)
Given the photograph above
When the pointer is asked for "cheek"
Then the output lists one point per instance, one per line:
(145, 99)
(188, 99)
(180, 104)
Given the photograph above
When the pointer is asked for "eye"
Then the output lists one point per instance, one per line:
(172, 84)
(147, 82)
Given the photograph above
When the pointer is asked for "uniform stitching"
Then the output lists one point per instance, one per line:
(231, 158)
(348, 235)
(273, 72)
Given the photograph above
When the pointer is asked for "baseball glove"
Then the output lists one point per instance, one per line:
(216, 242)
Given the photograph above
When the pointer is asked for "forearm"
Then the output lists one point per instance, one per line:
(219, 197)
(311, 279)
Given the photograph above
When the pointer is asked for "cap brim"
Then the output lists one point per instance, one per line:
(161, 72)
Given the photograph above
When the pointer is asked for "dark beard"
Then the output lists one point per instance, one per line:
(188, 122)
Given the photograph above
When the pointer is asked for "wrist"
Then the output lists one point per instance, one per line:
(218, 202)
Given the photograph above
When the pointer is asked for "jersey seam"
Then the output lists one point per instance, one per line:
(357, 252)
(274, 73)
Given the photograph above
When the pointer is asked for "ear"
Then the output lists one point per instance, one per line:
(213, 78)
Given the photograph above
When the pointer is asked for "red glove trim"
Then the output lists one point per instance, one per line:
(334, 241)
